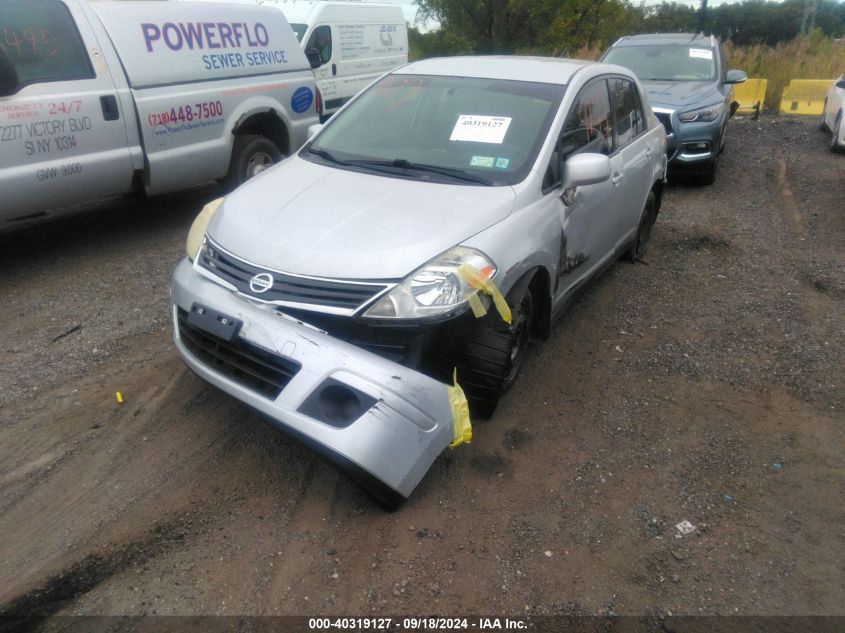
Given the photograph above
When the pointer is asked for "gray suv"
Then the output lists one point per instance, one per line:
(690, 90)
(431, 229)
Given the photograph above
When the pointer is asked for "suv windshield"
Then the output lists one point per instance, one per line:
(665, 62)
(446, 129)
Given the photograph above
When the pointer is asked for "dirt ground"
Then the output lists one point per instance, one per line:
(705, 386)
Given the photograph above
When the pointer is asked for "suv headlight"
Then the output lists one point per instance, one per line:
(433, 289)
(197, 231)
(710, 113)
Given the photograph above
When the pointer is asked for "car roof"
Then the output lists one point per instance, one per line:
(550, 70)
(699, 39)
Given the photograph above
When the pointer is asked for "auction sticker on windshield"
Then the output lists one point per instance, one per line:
(703, 53)
(481, 129)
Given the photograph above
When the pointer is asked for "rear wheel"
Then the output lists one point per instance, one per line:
(490, 356)
(251, 154)
(639, 248)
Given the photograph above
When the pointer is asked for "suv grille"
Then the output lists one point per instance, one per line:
(666, 119)
(286, 287)
(248, 365)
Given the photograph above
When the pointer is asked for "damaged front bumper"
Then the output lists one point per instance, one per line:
(372, 415)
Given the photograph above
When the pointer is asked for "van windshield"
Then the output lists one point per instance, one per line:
(665, 62)
(444, 129)
(299, 31)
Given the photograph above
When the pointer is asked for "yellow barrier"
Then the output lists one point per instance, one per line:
(804, 96)
(751, 95)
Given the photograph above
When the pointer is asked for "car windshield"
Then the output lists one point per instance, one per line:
(444, 129)
(666, 62)
(299, 30)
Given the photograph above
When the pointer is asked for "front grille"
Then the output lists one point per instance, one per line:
(666, 119)
(248, 365)
(286, 287)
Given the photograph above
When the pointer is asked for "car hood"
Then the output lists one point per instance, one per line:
(310, 219)
(681, 93)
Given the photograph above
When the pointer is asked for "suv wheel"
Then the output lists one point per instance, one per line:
(709, 175)
(835, 134)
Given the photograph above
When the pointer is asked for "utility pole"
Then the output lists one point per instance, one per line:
(702, 17)
(808, 22)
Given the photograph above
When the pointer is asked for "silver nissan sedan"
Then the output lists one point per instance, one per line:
(412, 249)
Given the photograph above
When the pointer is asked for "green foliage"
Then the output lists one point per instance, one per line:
(563, 27)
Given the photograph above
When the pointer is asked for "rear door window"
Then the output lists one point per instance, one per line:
(41, 42)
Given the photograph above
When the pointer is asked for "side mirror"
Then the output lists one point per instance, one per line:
(585, 169)
(840, 84)
(735, 77)
(313, 130)
(8, 76)
(313, 56)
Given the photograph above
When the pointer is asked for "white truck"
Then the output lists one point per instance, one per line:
(106, 98)
(349, 44)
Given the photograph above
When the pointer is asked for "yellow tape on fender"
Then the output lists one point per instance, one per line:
(481, 283)
(460, 413)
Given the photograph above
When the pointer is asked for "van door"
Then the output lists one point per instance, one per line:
(321, 41)
(62, 134)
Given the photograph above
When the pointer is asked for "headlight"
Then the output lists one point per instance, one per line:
(433, 289)
(710, 113)
(197, 231)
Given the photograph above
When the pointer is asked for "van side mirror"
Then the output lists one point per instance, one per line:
(584, 169)
(313, 130)
(313, 56)
(8, 76)
(735, 77)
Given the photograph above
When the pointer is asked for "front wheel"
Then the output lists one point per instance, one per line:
(490, 356)
(251, 154)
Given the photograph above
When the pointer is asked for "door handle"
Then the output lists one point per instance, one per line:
(109, 105)
(648, 151)
(617, 178)
(334, 69)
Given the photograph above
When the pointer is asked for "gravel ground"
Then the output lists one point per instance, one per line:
(705, 386)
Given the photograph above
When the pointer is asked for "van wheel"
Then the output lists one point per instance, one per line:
(639, 248)
(490, 356)
(251, 154)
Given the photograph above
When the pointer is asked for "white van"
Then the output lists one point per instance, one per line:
(105, 98)
(349, 44)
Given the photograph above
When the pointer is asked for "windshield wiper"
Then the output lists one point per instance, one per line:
(322, 153)
(401, 163)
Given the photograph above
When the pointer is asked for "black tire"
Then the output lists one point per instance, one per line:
(490, 355)
(823, 123)
(639, 248)
(835, 147)
(709, 175)
(251, 154)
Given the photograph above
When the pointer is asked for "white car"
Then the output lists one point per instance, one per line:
(833, 113)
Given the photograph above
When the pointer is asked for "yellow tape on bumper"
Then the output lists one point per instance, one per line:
(460, 413)
(805, 96)
(481, 283)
